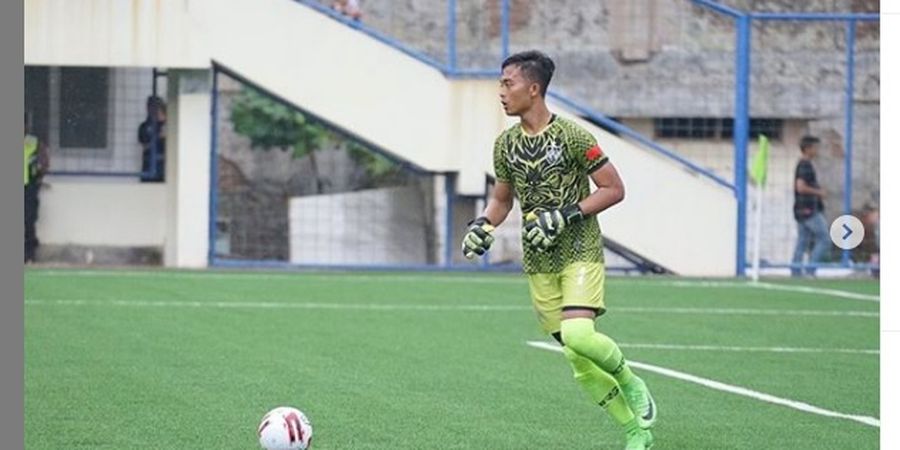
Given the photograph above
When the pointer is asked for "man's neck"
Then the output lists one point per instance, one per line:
(535, 119)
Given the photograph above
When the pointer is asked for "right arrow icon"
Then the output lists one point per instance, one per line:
(847, 232)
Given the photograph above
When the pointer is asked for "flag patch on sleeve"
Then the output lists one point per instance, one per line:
(593, 153)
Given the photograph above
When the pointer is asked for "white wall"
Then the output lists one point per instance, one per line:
(377, 226)
(113, 213)
(670, 214)
(475, 119)
(112, 33)
(780, 231)
(337, 73)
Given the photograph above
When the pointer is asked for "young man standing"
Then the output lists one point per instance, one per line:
(808, 209)
(545, 161)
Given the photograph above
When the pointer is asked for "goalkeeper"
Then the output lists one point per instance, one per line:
(546, 160)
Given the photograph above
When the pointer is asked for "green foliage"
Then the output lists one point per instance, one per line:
(270, 124)
(377, 166)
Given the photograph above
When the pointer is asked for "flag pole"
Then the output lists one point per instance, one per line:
(758, 231)
(758, 173)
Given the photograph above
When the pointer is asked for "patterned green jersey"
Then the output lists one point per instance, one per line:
(550, 171)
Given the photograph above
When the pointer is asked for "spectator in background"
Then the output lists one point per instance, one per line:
(152, 136)
(36, 163)
(349, 8)
(871, 244)
(809, 209)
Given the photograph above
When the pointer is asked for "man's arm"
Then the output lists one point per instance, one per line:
(143, 135)
(610, 190)
(478, 238)
(803, 187)
(541, 229)
(500, 203)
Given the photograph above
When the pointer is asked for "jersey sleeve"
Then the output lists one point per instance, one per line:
(501, 165)
(585, 150)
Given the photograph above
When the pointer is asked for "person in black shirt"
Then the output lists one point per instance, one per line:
(152, 136)
(808, 209)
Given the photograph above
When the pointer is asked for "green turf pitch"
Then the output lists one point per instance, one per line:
(188, 360)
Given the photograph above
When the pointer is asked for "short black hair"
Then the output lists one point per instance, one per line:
(536, 66)
(155, 102)
(808, 141)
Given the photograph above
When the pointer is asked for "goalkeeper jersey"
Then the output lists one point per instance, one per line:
(549, 171)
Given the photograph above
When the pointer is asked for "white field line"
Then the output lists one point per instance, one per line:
(817, 291)
(518, 280)
(775, 287)
(429, 307)
(732, 389)
(718, 348)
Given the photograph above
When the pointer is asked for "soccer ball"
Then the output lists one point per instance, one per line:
(285, 428)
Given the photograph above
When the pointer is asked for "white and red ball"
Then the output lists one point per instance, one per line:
(285, 428)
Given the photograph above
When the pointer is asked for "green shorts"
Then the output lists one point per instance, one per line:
(579, 285)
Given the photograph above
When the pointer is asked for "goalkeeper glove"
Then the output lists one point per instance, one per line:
(478, 238)
(543, 227)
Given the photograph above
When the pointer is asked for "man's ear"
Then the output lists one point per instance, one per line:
(534, 89)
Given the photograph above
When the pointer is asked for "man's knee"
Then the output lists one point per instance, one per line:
(576, 333)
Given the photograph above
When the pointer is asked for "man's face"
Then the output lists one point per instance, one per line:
(517, 93)
(813, 150)
(156, 111)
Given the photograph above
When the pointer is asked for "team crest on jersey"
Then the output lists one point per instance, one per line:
(554, 153)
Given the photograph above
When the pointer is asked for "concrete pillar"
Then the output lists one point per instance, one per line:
(476, 120)
(187, 168)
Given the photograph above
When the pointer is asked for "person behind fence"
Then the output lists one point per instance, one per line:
(152, 136)
(809, 209)
(36, 163)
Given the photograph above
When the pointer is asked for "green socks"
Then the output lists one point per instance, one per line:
(602, 388)
(579, 335)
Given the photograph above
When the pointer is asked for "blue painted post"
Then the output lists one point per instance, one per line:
(504, 28)
(848, 128)
(741, 134)
(213, 169)
(451, 35)
(449, 191)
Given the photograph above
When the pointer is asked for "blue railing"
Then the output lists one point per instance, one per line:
(625, 131)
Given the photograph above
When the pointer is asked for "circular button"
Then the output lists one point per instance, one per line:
(847, 232)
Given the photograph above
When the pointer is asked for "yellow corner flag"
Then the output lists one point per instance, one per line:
(760, 162)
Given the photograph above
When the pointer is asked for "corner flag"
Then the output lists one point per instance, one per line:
(760, 166)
